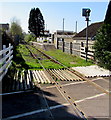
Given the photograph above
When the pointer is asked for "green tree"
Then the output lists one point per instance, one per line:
(29, 38)
(36, 22)
(16, 32)
(15, 29)
(102, 46)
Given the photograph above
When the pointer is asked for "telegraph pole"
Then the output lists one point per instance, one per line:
(86, 13)
(76, 27)
(63, 25)
(86, 49)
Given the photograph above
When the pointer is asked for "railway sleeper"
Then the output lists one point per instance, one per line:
(28, 79)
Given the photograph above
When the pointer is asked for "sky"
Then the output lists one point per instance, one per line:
(53, 13)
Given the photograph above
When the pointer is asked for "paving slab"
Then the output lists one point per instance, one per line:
(102, 83)
(96, 107)
(65, 113)
(91, 101)
(81, 91)
(19, 104)
(55, 97)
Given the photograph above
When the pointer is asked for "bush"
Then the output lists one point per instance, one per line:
(29, 38)
(102, 46)
(45, 41)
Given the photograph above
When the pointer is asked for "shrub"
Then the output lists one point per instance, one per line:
(29, 37)
(102, 46)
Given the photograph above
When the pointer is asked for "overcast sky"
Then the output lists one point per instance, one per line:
(53, 13)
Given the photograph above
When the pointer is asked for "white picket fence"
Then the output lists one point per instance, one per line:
(6, 56)
(90, 54)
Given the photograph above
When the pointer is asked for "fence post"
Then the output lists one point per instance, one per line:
(57, 43)
(4, 47)
(9, 49)
(63, 44)
(70, 47)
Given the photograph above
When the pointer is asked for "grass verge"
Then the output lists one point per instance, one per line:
(24, 60)
(68, 59)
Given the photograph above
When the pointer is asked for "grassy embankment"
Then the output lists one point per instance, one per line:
(23, 59)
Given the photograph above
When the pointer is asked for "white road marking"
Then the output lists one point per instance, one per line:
(67, 84)
(11, 93)
(34, 112)
(88, 98)
(73, 83)
(53, 107)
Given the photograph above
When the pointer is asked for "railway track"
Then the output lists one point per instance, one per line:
(52, 76)
(59, 87)
(74, 72)
(68, 74)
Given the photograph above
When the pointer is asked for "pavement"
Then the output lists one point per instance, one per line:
(31, 106)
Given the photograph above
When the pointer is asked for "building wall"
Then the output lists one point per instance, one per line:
(4, 26)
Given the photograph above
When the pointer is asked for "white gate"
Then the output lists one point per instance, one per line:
(5, 60)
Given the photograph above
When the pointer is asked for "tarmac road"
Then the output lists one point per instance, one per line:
(30, 106)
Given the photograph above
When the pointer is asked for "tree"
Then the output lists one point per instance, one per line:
(102, 46)
(108, 14)
(15, 28)
(16, 32)
(36, 22)
(29, 37)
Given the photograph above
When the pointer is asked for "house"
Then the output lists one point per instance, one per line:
(92, 30)
(4, 27)
(60, 34)
(46, 37)
(47, 33)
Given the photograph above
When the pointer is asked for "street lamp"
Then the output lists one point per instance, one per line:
(86, 14)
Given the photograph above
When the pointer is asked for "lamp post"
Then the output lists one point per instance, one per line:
(86, 14)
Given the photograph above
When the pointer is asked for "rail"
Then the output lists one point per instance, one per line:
(5, 60)
(76, 73)
(59, 87)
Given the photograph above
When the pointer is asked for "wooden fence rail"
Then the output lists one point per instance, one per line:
(76, 49)
(90, 54)
(5, 60)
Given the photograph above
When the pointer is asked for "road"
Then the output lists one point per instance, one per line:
(31, 106)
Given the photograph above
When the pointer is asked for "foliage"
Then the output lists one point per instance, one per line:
(24, 60)
(15, 29)
(36, 22)
(16, 32)
(102, 46)
(18, 60)
(29, 37)
(45, 41)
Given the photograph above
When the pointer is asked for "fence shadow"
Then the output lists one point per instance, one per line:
(31, 106)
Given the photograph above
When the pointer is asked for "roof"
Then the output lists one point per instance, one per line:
(92, 29)
(61, 32)
(4, 26)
